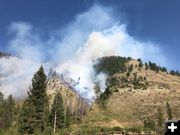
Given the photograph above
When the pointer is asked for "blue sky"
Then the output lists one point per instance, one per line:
(157, 21)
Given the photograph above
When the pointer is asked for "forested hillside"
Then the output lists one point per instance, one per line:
(137, 99)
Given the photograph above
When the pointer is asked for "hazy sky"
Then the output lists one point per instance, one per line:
(157, 21)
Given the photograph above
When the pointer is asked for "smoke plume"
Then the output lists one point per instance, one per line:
(71, 50)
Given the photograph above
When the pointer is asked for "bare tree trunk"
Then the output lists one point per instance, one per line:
(55, 122)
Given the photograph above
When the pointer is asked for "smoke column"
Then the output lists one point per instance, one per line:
(71, 50)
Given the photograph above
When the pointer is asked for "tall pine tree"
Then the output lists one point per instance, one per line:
(57, 112)
(38, 101)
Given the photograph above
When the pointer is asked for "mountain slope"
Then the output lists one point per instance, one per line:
(71, 99)
(135, 96)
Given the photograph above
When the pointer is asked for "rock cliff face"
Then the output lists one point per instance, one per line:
(72, 100)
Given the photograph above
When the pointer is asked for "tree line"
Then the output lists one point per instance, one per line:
(153, 66)
(111, 65)
(116, 64)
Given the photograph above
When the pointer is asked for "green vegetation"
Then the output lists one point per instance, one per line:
(7, 110)
(146, 66)
(149, 124)
(154, 67)
(116, 64)
(111, 65)
(139, 82)
(160, 117)
(163, 69)
(33, 117)
(172, 72)
(27, 118)
(35, 109)
(136, 129)
(130, 69)
(100, 130)
(140, 62)
(169, 112)
(57, 112)
(67, 118)
(103, 96)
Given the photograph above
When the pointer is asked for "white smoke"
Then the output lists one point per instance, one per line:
(16, 75)
(98, 45)
(93, 34)
(26, 44)
(113, 41)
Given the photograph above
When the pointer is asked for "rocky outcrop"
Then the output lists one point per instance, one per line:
(77, 105)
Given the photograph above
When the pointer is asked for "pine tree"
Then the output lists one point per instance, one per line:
(172, 72)
(160, 117)
(16, 115)
(67, 117)
(38, 101)
(130, 68)
(177, 73)
(146, 66)
(57, 111)
(38, 97)
(164, 69)
(8, 113)
(169, 112)
(27, 118)
(1, 98)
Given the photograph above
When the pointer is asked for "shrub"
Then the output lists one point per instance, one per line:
(149, 124)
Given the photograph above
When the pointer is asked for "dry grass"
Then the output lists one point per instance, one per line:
(127, 107)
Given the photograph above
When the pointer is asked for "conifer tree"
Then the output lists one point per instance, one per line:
(67, 117)
(146, 66)
(140, 62)
(130, 68)
(8, 113)
(38, 97)
(164, 69)
(169, 112)
(1, 98)
(27, 118)
(160, 117)
(172, 72)
(57, 111)
(35, 109)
